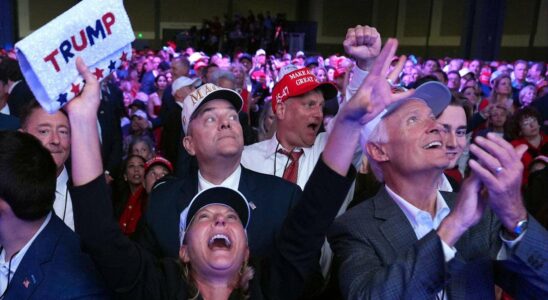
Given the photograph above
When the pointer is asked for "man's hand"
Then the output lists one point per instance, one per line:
(498, 166)
(87, 103)
(375, 92)
(467, 212)
(363, 43)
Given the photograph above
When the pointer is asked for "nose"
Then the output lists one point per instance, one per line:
(435, 127)
(54, 138)
(225, 123)
(450, 140)
(220, 220)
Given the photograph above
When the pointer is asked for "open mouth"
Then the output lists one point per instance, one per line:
(433, 145)
(313, 126)
(219, 241)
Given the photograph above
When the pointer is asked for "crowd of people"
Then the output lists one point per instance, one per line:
(237, 33)
(191, 174)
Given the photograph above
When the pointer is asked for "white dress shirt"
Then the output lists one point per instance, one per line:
(5, 110)
(63, 203)
(232, 181)
(263, 157)
(422, 223)
(11, 267)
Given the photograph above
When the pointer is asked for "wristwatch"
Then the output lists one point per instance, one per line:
(521, 227)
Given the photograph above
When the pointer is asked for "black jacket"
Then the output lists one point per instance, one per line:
(134, 273)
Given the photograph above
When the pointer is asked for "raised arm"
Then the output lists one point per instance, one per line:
(82, 112)
(369, 100)
(125, 267)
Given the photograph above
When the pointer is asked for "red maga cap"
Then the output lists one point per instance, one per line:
(297, 83)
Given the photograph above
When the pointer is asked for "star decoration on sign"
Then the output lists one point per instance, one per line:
(98, 73)
(75, 89)
(112, 66)
(62, 99)
(124, 56)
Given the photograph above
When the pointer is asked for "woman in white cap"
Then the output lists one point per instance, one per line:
(212, 227)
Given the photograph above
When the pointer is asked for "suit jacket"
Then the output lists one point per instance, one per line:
(381, 258)
(19, 97)
(134, 273)
(55, 267)
(9, 122)
(172, 144)
(271, 196)
(111, 136)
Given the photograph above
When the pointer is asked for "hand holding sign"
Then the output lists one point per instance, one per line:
(98, 31)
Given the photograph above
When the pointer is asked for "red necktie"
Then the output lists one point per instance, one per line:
(291, 172)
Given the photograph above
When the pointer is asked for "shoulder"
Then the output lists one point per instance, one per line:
(167, 184)
(255, 148)
(357, 214)
(68, 267)
(267, 180)
(8, 122)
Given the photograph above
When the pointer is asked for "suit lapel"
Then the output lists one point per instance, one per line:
(400, 237)
(188, 190)
(29, 274)
(247, 186)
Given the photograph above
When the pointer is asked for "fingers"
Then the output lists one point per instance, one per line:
(395, 73)
(383, 60)
(350, 39)
(483, 174)
(498, 149)
(84, 71)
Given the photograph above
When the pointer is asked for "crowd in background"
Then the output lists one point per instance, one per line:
(151, 154)
(508, 98)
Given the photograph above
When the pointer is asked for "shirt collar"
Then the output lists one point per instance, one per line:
(5, 110)
(414, 214)
(62, 179)
(445, 185)
(13, 86)
(231, 181)
(273, 145)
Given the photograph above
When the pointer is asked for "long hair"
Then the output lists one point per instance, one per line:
(241, 287)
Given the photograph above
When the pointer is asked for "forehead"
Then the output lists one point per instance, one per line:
(410, 106)
(217, 208)
(41, 117)
(158, 168)
(314, 95)
(453, 114)
(140, 144)
(520, 66)
(135, 161)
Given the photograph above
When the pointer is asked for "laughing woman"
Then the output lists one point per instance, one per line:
(214, 254)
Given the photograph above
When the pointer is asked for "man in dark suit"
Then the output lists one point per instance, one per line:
(19, 92)
(214, 137)
(40, 257)
(412, 242)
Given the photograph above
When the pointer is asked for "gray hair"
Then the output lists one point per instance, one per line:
(379, 135)
(222, 74)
